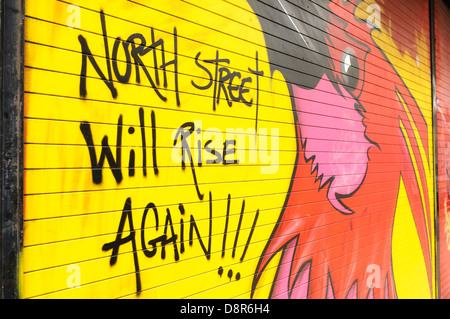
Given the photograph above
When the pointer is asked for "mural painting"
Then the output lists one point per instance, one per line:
(368, 134)
(260, 149)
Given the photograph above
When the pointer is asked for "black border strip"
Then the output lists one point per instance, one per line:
(435, 142)
(11, 130)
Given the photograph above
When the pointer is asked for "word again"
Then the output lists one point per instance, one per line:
(172, 235)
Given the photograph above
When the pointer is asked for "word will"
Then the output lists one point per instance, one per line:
(115, 162)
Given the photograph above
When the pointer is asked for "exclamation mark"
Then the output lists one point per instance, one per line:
(238, 228)
(250, 235)
(226, 226)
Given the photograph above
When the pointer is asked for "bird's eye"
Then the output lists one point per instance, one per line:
(349, 70)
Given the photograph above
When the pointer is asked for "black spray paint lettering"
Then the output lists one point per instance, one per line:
(133, 51)
(224, 81)
(115, 245)
(222, 155)
(115, 162)
(236, 238)
(183, 135)
(174, 234)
